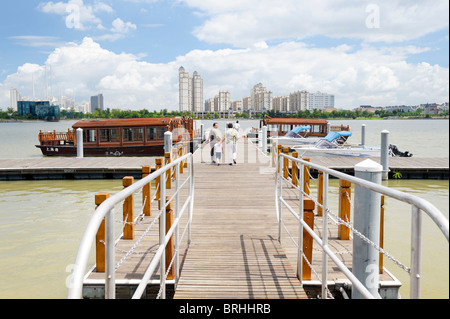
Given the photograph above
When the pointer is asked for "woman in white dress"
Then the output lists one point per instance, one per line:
(231, 137)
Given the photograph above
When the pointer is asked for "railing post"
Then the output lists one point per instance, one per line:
(416, 253)
(381, 234)
(176, 263)
(100, 237)
(279, 151)
(320, 194)
(384, 160)
(308, 217)
(345, 194)
(128, 211)
(169, 172)
(147, 192)
(162, 235)
(274, 153)
(294, 170)
(306, 177)
(286, 163)
(367, 222)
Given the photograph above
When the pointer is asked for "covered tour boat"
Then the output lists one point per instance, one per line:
(317, 127)
(118, 137)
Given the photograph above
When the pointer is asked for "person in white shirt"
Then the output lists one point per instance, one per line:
(231, 137)
(214, 135)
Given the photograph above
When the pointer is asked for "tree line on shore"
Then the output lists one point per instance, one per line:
(10, 114)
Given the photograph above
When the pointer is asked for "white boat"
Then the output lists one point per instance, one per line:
(329, 146)
(293, 137)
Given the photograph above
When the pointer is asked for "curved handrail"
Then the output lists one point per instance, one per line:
(79, 270)
(435, 214)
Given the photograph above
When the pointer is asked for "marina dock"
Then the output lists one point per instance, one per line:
(48, 168)
(235, 252)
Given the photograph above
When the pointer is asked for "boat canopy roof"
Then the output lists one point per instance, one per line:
(335, 135)
(294, 121)
(300, 128)
(155, 121)
(296, 130)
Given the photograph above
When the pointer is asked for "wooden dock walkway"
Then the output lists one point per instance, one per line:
(234, 253)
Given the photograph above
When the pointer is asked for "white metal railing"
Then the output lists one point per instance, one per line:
(105, 211)
(417, 206)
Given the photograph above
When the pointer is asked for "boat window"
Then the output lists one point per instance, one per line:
(273, 128)
(286, 128)
(133, 134)
(316, 129)
(90, 136)
(155, 133)
(109, 135)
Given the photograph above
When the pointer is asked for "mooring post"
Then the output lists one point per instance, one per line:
(80, 149)
(384, 160)
(128, 210)
(100, 237)
(147, 192)
(363, 134)
(264, 139)
(367, 222)
(345, 194)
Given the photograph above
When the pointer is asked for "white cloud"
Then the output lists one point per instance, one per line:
(120, 26)
(85, 15)
(242, 23)
(366, 75)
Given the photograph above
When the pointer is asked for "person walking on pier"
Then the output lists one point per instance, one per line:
(231, 137)
(214, 136)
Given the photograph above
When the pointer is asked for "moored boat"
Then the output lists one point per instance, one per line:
(118, 137)
(332, 145)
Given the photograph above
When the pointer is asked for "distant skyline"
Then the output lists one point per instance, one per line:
(363, 52)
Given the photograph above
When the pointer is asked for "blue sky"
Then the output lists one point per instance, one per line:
(364, 52)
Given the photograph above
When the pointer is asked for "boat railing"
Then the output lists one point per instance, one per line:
(287, 183)
(105, 211)
(54, 136)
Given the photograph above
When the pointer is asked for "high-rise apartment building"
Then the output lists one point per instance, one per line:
(281, 103)
(190, 92)
(321, 101)
(97, 102)
(299, 101)
(15, 98)
(222, 102)
(261, 98)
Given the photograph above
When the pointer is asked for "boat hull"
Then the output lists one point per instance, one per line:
(114, 151)
(356, 152)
